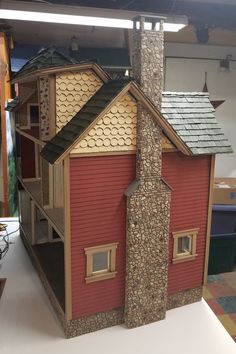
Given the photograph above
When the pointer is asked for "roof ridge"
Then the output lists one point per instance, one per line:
(190, 93)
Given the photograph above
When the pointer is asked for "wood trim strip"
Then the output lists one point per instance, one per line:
(67, 240)
(100, 277)
(208, 234)
(108, 153)
(30, 137)
(32, 211)
(50, 181)
(190, 257)
(32, 76)
(36, 159)
(52, 105)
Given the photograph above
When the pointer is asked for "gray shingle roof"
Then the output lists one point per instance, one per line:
(63, 140)
(192, 117)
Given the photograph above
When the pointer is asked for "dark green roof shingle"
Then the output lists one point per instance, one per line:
(47, 58)
(81, 121)
(192, 117)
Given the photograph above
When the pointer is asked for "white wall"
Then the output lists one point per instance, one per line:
(185, 71)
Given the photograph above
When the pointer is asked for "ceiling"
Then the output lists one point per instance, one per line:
(218, 13)
(217, 17)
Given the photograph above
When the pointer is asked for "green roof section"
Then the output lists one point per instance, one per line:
(68, 135)
(192, 116)
(45, 59)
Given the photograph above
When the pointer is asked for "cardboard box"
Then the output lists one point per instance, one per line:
(224, 191)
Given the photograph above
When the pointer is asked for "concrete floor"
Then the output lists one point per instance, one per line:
(28, 324)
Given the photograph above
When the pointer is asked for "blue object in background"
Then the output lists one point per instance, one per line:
(223, 219)
(222, 254)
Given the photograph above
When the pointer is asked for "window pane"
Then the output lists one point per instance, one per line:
(100, 261)
(184, 244)
(34, 114)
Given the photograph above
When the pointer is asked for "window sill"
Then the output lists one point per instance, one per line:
(100, 277)
(181, 259)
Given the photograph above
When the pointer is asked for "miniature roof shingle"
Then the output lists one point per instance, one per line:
(192, 117)
(47, 58)
(65, 138)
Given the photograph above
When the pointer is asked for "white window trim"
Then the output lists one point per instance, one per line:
(103, 274)
(188, 256)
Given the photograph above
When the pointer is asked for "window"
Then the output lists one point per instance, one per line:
(184, 245)
(33, 115)
(101, 262)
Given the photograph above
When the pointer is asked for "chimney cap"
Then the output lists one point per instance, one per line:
(141, 19)
(149, 18)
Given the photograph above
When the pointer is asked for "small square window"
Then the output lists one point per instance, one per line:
(184, 245)
(101, 262)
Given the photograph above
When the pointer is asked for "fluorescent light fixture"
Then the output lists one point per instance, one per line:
(79, 20)
(173, 27)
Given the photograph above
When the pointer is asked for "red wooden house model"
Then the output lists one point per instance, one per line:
(114, 196)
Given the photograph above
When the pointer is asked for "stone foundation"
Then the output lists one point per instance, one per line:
(184, 298)
(93, 323)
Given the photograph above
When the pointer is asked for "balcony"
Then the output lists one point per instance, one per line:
(42, 181)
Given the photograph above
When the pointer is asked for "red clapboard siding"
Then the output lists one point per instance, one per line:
(189, 178)
(98, 216)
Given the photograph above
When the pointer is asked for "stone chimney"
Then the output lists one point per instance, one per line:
(148, 207)
(148, 55)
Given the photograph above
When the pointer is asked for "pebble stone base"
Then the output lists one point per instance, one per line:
(184, 298)
(93, 323)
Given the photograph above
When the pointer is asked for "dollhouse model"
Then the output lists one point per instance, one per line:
(114, 196)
